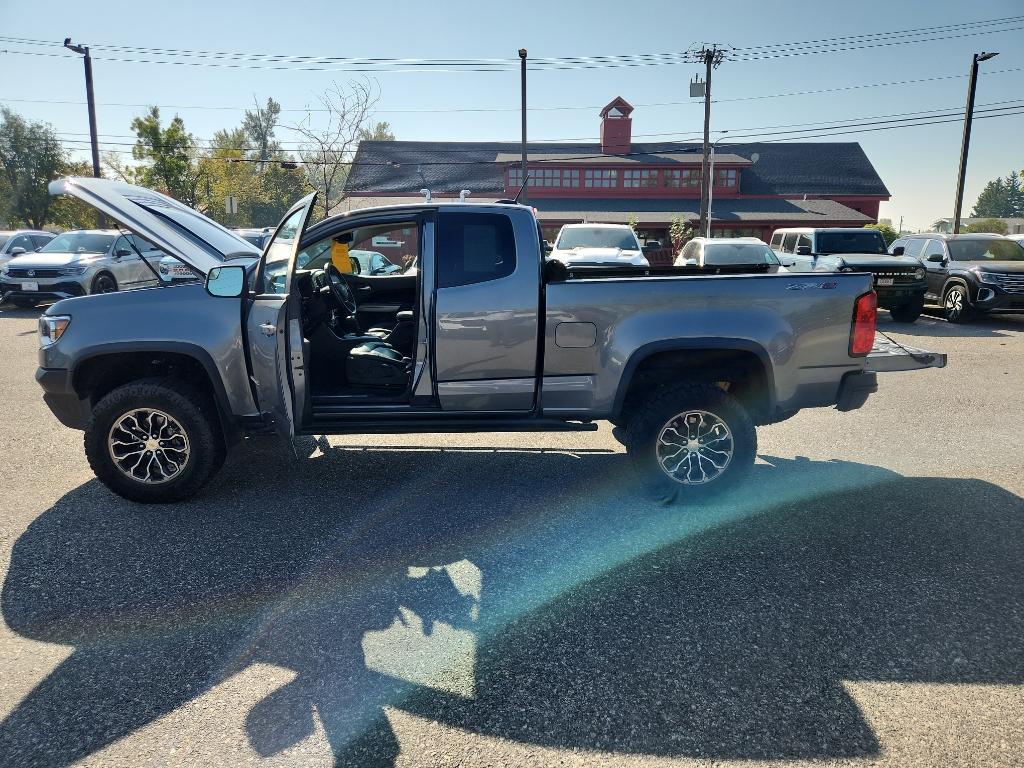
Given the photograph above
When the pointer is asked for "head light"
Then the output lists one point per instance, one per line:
(51, 328)
(987, 277)
(919, 273)
(73, 271)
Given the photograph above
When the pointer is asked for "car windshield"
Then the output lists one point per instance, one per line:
(79, 242)
(985, 250)
(866, 241)
(720, 254)
(597, 237)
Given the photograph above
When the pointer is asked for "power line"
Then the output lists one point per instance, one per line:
(237, 60)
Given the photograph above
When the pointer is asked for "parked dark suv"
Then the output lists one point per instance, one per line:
(969, 274)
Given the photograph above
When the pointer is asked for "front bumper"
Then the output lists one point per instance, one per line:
(855, 389)
(60, 397)
(991, 298)
(48, 289)
(898, 294)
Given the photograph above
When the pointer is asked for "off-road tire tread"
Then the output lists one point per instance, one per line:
(192, 407)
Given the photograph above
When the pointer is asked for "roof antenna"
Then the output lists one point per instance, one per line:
(521, 188)
(463, 194)
(426, 193)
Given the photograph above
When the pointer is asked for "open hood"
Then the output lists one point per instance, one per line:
(172, 227)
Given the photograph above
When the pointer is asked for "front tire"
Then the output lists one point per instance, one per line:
(104, 282)
(909, 312)
(690, 442)
(957, 304)
(154, 441)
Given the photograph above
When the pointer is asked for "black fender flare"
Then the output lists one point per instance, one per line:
(645, 351)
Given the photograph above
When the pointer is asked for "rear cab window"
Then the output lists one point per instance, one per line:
(474, 248)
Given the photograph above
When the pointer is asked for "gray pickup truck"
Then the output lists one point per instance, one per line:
(479, 333)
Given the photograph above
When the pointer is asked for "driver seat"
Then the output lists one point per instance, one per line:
(402, 337)
(377, 364)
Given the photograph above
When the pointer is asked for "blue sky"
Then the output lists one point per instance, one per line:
(917, 164)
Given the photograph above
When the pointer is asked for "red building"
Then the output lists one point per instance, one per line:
(758, 187)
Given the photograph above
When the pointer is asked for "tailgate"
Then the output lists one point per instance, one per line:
(886, 356)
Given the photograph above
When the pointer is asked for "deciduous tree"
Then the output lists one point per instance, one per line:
(167, 157)
(31, 156)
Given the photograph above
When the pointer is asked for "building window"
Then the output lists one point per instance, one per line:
(726, 177)
(544, 177)
(640, 177)
(600, 177)
(682, 178)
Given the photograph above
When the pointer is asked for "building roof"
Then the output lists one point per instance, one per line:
(797, 168)
(687, 158)
(651, 211)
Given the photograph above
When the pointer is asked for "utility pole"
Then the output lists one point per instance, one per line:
(83, 50)
(522, 79)
(711, 58)
(965, 146)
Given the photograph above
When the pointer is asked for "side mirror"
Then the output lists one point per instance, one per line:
(226, 282)
(938, 258)
(17, 251)
(899, 250)
(555, 271)
(546, 247)
(122, 252)
(803, 250)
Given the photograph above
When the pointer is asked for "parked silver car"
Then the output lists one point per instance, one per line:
(173, 271)
(18, 241)
(78, 263)
(729, 252)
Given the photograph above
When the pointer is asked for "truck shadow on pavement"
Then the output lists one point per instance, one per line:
(933, 324)
(521, 594)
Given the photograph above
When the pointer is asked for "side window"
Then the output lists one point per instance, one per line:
(119, 244)
(934, 248)
(22, 241)
(777, 240)
(474, 248)
(898, 244)
(913, 247)
(803, 240)
(789, 243)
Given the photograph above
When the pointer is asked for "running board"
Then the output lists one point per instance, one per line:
(336, 424)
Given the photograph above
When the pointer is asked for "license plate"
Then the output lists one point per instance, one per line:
(30, 286)
(884, 281)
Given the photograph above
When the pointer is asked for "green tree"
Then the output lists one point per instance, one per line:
(1001, 198)
(888, 232)
(380, 132)
(259, 126)
(31, 156)
(680, 231)
(68, 212)
(995, 226)
(167, 157)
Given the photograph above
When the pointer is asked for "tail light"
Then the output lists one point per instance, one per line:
(862, 332)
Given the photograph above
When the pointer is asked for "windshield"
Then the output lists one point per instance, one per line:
(720, 254)
(597, 237)
(985, 250)
(864, 241)
(79, 242)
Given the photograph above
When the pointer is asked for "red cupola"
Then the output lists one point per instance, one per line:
(616, 127)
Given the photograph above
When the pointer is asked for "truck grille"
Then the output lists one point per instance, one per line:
(1011, 283)
(30, 273)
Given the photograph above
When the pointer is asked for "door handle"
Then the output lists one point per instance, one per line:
(269, 329)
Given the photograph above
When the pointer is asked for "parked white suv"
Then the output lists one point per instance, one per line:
(79, 263)
(16, 242)
(598, 244)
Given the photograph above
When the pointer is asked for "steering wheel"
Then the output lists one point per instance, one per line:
(340, 290)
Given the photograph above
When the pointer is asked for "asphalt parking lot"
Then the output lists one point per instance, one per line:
(506, 600)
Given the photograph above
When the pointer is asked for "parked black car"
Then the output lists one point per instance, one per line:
(969, 274)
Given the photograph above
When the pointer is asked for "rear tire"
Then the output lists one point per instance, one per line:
(909, 312)
(21, 303)
(154, 440)
(957, 304)
(690, 442)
